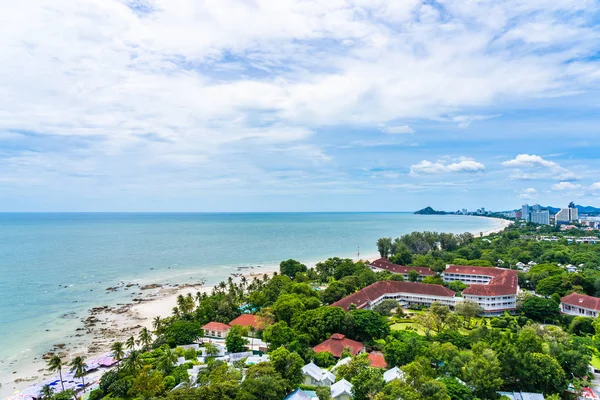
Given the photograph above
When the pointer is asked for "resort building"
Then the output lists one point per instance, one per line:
(341, 390)
(377, 360)
(336, 345)
(216, 330)
(383, 264)
(580, 305)
(394, 373)
(315, 376)
(494, 289)
(405, 293)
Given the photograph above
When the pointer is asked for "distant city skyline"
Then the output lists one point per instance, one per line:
(155, 105)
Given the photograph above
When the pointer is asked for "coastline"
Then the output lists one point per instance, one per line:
(105, 324)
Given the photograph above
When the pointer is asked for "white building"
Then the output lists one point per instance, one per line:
(394, 373)
(567, 215)
(341, 390)
(525, 212)
(580, 305)
(541, 217)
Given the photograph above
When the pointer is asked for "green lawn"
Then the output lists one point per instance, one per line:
(595, 362)
(403, 325)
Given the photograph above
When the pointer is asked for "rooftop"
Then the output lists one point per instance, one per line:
(582, 300)
(336, 345)
(374, 291)
(502, 281)
(377, 360)
(216, 326)
(249, 320)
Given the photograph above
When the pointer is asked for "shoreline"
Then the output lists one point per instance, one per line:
(105, 324)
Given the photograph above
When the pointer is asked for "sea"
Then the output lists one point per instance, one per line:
(55, 266)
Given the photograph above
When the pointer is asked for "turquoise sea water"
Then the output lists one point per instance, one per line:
(54, 264)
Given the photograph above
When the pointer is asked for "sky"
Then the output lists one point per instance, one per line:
(298, 105)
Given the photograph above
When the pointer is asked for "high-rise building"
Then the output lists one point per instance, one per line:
(465, 211)
(569, 214)
(536, 207)
(541, 217)
(525, 213)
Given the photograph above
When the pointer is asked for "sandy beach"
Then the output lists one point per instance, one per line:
(107, 324)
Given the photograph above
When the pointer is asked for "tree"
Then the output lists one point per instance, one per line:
(334, 292)
(413, 275)
(437, 318)
(482, 372)
(235, 341)
(544, 374)
(384, 246)
(456, 390)
(581, 326)
(47, 392)
(366, 325)
(288, 364)
(323, 392)
(353, 368)
(167, 360)
(118, 352)
(324, 359)
(286, 306)
(540, 309)
(156, 324)
(402, 255)
(148, 383)
(291, 268)
(401, 352)
(130, 343)
(56, 364)
(182, 332)
(367, 383)
(79, 367)
(262, 382)
(134, 362)
(468, 309)
(385, 307)
(211, 350)
(145, 338)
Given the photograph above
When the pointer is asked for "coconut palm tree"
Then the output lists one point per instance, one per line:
(47, 392)
(79, 366)
(157, 323)
(118, 350)
(134, 362)
(130, 343)
(167, 360)
(56, 364)
(145, 338)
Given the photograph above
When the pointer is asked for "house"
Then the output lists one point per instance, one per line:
(519, 265)
(341, 390)
(377, 360)
(571, 268)
(580, 305)
(300, 394)
(250, 320)
(394, 373)
(216, 329)
(382, 264)
(522, 395)
(341, 362)
(336, 345)
(315, 376)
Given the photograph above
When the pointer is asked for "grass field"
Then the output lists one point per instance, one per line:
(403, 325)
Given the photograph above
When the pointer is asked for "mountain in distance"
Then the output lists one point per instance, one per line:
(430, 211)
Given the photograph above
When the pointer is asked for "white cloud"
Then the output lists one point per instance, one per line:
(595, 186)
(544, 169)
(565, 186)
(528, 193)
(397, 130)
(440, 167)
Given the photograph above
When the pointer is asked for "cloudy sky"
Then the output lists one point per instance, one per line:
(298, 105)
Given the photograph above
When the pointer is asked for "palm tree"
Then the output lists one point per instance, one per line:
(56, 364)
(47, 392)
(167, 360)
(133, 362)
(156, 323)
(79, 366)
(130, 343)
(145, 338)
(118, 352)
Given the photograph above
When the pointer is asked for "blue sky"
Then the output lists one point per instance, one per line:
(289, 105)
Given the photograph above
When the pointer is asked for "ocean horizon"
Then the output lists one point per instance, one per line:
(56, 266)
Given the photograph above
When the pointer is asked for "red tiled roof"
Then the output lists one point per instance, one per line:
(582, 300)
(216, 326)
(372, 292)
(503, 281)
(384, 263)
(377, 360)
(249, 320)
(336, 345)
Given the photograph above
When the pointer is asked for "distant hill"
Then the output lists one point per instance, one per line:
(430, 211)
